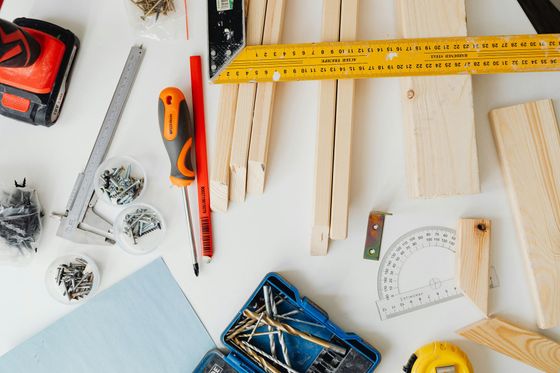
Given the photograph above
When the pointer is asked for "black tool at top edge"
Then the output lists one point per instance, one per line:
(544, 15)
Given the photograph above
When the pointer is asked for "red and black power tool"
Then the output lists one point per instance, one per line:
(36, 59)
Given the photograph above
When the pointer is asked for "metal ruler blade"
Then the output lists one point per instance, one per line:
(83, 188)
(394, 58)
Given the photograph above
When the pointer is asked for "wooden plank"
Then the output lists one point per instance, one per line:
(264, 103)
(528, 144)
(523, 345)
(219, 174)
(245, 106)
(473, 260)
(440, 144)
(343, 131)
(219, 179)
(324, 147)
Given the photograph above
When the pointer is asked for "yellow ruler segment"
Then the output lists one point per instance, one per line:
(394, 58)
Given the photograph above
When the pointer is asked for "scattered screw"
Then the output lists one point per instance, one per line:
(140, 223)
(20, 220)
(119, 186)
(154, 7)
(75, 279)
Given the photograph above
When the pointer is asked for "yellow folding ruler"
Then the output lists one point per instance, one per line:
(393, 58)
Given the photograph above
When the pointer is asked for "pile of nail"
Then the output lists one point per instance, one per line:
(75, 279)
(154, 7)
(140, 223)
(264, 319)
(120, 186)
(20, 220)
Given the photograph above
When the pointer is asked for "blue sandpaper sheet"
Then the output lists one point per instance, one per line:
(142, 324)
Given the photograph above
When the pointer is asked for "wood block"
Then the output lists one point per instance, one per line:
(264, 103)
(324, 148)
(219, 179)
(245, 106)
(473, 260)
(440, 144)
(343, 131)
(526, 346)
(528, 144)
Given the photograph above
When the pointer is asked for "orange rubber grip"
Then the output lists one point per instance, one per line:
(177, 132)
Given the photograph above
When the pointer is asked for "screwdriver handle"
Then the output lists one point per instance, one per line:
(178, 135)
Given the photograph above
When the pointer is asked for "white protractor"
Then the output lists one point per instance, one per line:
(418, 271)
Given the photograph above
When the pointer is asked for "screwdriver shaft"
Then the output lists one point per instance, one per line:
(187, 206)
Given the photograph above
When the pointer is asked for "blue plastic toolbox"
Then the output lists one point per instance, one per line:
(312, 343)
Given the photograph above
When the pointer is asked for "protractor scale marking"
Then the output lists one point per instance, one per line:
(398, 296)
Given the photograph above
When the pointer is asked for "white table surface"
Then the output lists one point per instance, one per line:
(269, 232)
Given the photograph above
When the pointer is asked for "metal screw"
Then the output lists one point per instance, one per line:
(140, 223)
(119, 186)
(75, 279)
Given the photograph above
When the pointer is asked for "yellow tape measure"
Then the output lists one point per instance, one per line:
(394, 58)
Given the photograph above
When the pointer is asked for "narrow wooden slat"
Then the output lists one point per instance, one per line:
(523, 345)
(219, 177)
(264, 103)
(245, 107)
(440, 144)
(324, 147)
(343, 131)
(219, 174)
(473, 260)
(528, 144)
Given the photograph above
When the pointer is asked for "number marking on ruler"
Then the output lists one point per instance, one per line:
(394, 58)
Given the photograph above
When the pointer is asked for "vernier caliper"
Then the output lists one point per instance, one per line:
(80, 223)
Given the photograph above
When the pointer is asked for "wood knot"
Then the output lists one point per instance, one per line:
(410, 94)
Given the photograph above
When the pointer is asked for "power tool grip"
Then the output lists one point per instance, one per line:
(17, 47)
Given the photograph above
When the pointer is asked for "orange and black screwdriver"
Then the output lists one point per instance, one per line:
(177, 131)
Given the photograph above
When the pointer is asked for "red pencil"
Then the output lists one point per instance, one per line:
(201, 158)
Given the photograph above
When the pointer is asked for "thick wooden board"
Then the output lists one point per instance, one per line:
(245, 107)
(219, 177)
(264, 104)
(324, 147)
(528, 144)
(526, 346)
(343, 131)
(473, 260)
(440, 144)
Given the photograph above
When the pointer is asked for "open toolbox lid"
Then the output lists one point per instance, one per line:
(304, 356)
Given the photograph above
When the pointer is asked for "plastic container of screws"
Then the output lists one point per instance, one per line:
(20, 225)
(72, 278)
(157, 19)
(139, 229)
(278, 330)
(120, 181)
